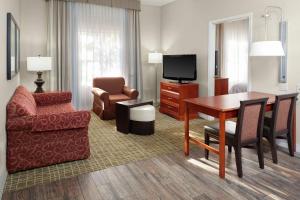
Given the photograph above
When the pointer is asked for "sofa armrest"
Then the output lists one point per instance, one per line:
(51, 98)
(62, 121)
(20, 123)
(131, 93)
(103, 95)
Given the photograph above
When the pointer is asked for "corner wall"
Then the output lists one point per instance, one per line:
(150, 42)
(33, 38)
(7, 87)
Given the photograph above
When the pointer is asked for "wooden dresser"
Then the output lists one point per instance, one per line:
(172, 96)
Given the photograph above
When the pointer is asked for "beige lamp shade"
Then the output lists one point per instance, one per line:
(267, 48)
(155, 58)
(39, 64)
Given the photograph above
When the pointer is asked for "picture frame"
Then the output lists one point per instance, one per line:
(13, 47)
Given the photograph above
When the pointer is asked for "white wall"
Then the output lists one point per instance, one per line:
(150, 42)
(7, 87)
(33, 38)
(187, 32)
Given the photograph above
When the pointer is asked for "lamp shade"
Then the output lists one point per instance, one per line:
(155, 58)
(267, 48)
(39, 64)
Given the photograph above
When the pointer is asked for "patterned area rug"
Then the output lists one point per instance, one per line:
(111, 148)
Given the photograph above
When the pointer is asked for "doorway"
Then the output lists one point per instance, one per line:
(229, 42)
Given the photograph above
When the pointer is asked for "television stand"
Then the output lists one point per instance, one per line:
(172, 96)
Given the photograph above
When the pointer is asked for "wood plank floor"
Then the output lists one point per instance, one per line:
(178, 177)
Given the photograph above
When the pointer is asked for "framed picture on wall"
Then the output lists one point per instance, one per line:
(13, 47)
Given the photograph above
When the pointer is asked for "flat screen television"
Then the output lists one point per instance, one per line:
(180, 67)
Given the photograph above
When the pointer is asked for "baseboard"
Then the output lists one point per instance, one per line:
(2, 182)
(298, 150)
(282, 144)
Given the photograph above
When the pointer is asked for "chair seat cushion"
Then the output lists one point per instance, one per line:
(230, 127)
(143, 113)
(55, 109)
(117, 98)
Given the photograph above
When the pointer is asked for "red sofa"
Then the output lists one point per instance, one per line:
(44, 129)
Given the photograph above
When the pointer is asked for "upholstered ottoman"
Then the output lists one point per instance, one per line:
(142, 120)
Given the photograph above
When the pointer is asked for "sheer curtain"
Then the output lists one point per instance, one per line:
(100, 41)
(235, 55)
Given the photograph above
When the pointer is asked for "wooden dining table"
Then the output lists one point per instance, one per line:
(222, 107)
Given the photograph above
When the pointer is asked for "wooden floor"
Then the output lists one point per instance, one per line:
(178, 177)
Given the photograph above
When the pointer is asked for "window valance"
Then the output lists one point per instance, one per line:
(127, 4)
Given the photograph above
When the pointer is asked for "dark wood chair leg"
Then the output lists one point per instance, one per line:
(229, 148)
(260, 154)
(206, 142)
(290, 143)
(238, 160)
(272, 141)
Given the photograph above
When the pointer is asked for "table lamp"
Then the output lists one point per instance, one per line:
(39, 64)
(155, 58)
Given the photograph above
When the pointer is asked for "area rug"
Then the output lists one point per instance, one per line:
(110, 148)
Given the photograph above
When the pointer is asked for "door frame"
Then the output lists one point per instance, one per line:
(212, 47)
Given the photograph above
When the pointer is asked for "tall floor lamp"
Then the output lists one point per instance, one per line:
(156, 59)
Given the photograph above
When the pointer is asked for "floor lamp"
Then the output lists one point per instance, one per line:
(155, 59)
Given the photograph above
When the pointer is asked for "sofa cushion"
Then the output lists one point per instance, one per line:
(55, 109)
(118, 97)
(21, 104)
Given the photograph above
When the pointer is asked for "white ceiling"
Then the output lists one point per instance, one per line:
(156, 2)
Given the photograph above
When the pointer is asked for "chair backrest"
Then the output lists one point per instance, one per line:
(112, 85)
(21, 104)
(250, 121)
(283, 112)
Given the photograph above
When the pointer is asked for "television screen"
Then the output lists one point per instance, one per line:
(180, 67)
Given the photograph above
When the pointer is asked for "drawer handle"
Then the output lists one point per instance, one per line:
(169, 107)
(169, 98)
(169, 88)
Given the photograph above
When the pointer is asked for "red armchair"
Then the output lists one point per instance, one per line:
(44, 129)
(107, 91)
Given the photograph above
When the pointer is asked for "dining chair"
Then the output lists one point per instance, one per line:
(278, 123)
(246, 131)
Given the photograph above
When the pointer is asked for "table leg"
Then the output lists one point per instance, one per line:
(186, 131)
(222, 146)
